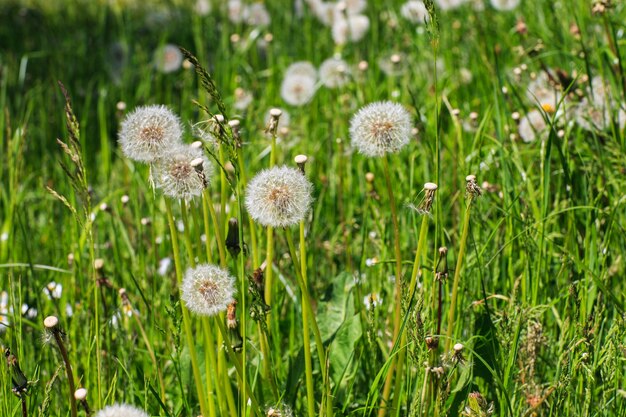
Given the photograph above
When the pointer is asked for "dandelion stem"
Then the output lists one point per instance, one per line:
(218, 231)
(24, 406)
(457, 274)
(310, 393)
(186, 318)
(235, 360)
(394, 367)
(68, 370)
(413, 283)
(312, 322)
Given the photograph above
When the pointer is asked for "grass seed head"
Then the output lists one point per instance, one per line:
(380, 128)
(148, 132)
(207, 289)
(279, 197)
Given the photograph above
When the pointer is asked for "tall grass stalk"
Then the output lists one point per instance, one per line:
(186, 319)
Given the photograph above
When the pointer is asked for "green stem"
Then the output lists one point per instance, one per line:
(186, 318)
(218, 231)
(457, 275)
(396, 365)
(235, 360)
(312, 322)
(310, 393)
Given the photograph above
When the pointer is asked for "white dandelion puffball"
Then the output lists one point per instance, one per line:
(243, 98)
(148, 132)
(297, 89)
(305, 68)
(256, 15)
(449, 4)
(350, 29)
(279, 197)
(541, 92)
(207, 290)
(335, 72)
(532, 126)
(415, 12)
(505, 5)
(183, 173)
(121, 410)
(235, 10)
(380, 128)
(168, 58)
(354, 6)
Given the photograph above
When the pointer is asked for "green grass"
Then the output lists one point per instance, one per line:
(540, 307)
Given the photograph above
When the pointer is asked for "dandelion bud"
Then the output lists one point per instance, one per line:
(51, 322)
(236, 341)
(80, 394)
(232, 238)
(149, 132)
(458, 347)
(431, 343)
(442, 264)
(301, 161)
(145, 221)
(121, 410)
(369, 177)
(362, 66)
(120, 106)
(380, 128)
(279, 197)
(207, 289)
(471, 188)
(70, 259)
(521, 28)
(124, 199)
(98, 264)
(272, 125)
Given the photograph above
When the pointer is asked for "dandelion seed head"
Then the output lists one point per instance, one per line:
(380, 128)
(207, 289)
(297, 89)
(505, 5)
(168, 58)
(301, 68)
(334, 72)
(256, 15)
(148, 132)
(352, 28)
(183, 173)
(279, 197)
(121, 410)
(532, 126)
(449, 4)
(415, 12)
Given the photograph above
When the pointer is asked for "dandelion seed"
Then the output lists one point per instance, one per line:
(164, 266)
(121, 410)
(334, 73)
(256, 15)
(183, 173)
(393, 64)
(449, 4)
(168, 58)
(380, 128)
(149, 132)
(53, 290)
(279, 197)
(372, 300)
(415, 11)
(297, 89)
(207, 289)
(243, 99)
(352, 28)
(505, 5)
(532, 126)
(301, 68)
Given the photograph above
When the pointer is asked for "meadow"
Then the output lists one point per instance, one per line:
(312, 208)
